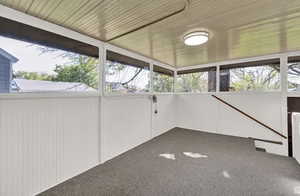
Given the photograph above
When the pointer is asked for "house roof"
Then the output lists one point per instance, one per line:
(24, 85)
(8, 56)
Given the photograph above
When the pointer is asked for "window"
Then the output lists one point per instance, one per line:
(251, 76)
(196, 80)
(124, 74)
(34, 60)
(27, 67)
(163, 79)
(293, 74)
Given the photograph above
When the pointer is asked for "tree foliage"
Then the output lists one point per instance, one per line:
(162, 83)
(255, 78)
(83, 69)
(33, 75)
(121, 77)
(293, 76)
(193, 82)
(80, 68)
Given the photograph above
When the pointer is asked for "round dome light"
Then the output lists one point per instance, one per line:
(196, 38)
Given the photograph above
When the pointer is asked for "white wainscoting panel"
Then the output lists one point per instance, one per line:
(164, 120)
(125, 124)
(205, 113)
(46, 141)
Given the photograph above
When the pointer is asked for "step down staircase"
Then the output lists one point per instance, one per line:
(260, 149)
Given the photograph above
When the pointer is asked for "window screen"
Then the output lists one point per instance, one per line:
(258, 75)
(196, 80)
(34, 60)
(124, 74)
(163, 79)
(293, 75)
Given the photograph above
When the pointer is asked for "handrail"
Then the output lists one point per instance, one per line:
(268, 141)
(247, 115)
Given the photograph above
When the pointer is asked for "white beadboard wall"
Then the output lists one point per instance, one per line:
(46, 141)
(129, 121)
(126, 123)
(164, 120)
(205, 113)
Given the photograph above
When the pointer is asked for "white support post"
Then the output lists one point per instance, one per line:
(151, 79)
(284, 89)
(101, 70)
(174, 82)
(218, 79)
(283, 74)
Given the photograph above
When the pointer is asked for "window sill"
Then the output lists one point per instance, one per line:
(231, 93)
(249, 92)
(194, 93)
(163, 93)
(126, 94)
(39, 95)
(134, 95)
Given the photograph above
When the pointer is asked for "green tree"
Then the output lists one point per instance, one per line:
(125, 77)
(255, 78)
(32, 75)
(293, 76)
(82, 69)
(162, 83)
(193, 82)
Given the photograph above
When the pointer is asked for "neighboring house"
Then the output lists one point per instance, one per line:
(23, 85)
(6, 61)
(8, 84)
(115, 86)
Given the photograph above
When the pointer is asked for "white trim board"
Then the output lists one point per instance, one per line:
(135, 55)
(242, 60)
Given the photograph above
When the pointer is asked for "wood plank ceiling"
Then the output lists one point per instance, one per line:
(239, 28)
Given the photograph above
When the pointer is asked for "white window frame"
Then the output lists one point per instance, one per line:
(283, 74)
(195, 67)
(174, 78)
(47, 26)
(102, 46)
(138, 57)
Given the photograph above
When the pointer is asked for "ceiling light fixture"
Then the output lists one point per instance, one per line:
(196, 38)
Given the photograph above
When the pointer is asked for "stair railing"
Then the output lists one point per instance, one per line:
(250, 117)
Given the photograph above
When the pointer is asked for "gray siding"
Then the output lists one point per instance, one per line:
(4, 75)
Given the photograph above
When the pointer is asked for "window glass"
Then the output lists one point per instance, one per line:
(195, 81)
(294, 75)
(28, 67)
(250, 77)
(163, 79)
(126, 75)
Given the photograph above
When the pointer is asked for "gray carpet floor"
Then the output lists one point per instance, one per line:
(188, 163)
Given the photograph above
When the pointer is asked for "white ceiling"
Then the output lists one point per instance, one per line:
(239, 28)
